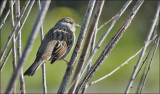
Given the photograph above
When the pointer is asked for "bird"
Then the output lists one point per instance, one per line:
(56, 44)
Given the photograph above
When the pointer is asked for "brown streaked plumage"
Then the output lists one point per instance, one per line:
(56, 44)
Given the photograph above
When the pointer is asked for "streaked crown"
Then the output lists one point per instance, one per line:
(67, 20)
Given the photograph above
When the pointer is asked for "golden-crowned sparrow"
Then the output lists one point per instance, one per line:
(56, 44)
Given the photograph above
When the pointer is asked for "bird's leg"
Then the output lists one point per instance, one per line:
(67, 62)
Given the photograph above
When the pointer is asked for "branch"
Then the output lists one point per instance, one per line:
(40, 17)
(144, 61)
(111, 44)
(92, 28)
(144, 76)
(3, 4)
(43, 66)
(5, 59)
(13, 41)
(13, 29)
(1, 11)
(4, 19)
(106, 23)
(118, 15)
(77, 47)
(19, 48)
(18, 31)
(126, 62)
(143, 51)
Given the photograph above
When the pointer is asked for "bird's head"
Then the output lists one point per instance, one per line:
(70, 23)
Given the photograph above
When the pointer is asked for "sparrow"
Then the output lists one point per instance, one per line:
(56, 44)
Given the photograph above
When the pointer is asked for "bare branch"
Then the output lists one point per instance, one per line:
(118, 15)
(4, 19)
(126, 62)
(144, 61)
(40, 17)
(3, 4)
(5, 59)
(145, 74)
(13, 29)
(151, 61)
(18, 31)
(106, 23)
(143, 51)
(43, 66)
(19, 48)
(77, 47)
(13, 41)
(94, 24)
(112, 43)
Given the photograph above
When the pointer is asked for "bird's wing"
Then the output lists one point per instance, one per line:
(59, 50)
(47, 44)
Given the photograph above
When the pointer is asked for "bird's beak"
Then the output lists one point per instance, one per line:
(77, 25)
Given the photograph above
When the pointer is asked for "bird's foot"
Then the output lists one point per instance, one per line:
(67, 62)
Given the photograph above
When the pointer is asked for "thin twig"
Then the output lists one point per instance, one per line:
(4, 19)
(151, 61)
(144, 61)
(43, 66)
(5, 59)
(89, 66)
(17, 70)
(126, 62)
(94, 24)
(106, 23)
(3, 4)
(77, 47)
(111, 44)
(144, 50)
(18, 31)
(40, 17)
(118, 15)
(92, 45)
(19, 48)
(141, 86)
(13, 41)
(12, 31)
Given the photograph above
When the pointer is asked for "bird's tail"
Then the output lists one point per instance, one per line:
(34, 67)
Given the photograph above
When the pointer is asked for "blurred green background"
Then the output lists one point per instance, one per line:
(130, 43)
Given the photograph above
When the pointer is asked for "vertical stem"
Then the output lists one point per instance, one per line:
(13, 41)
(43, 66)
(94, 24)
(109, 47)
(19, 48)
(13, 29)
(77, 47)
(4, 19)
(143, 51)
(40, 17)
(3, 4)
(149, 66)
(5, 59)
(18, 31)
(118, 15)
